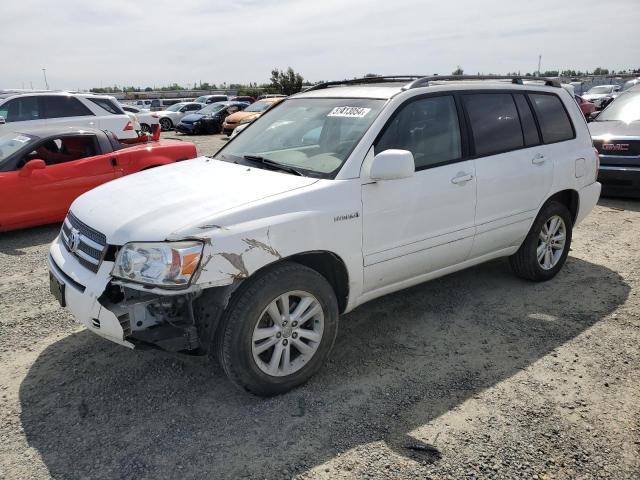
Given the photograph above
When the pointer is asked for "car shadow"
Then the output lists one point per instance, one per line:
(15, 242)
(93, 409)
(618, 203)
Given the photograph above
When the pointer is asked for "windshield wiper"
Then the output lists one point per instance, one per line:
(274, 165)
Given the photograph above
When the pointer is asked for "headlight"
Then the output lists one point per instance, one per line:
(165, 264)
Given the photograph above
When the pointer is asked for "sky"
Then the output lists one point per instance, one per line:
(92, 43)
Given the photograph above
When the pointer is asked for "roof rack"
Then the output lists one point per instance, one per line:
(356, 81)
(519, 80)
(416, 81)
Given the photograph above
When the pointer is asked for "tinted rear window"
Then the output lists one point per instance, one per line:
(555, 124)
(494, 122)
(61, 106)
(529, 129)
(107, 105)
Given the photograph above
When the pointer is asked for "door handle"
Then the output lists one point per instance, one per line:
(462, 178)
(538, 159)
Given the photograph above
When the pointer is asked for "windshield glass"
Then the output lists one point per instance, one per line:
(258, 107)
(11, 142)
(601, 89)
(175, 107)
(202, 99)
(213, 107)
(313, 135)
(625, 108)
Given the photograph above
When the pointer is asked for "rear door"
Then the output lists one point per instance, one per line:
(23, 113)
(68, 111)
(514, 173)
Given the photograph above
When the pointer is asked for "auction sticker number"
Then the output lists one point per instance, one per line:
(352, 112)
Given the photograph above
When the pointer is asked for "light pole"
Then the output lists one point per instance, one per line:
(44, 72)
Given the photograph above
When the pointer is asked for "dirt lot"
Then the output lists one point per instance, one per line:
(475, 375)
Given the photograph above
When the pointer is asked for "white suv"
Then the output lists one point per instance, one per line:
(338, 195)
(22, 111)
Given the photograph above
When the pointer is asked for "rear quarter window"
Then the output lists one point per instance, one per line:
(107, 105)
(554, 121)
(63, 106)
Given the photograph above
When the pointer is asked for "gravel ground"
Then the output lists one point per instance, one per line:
(474, 375)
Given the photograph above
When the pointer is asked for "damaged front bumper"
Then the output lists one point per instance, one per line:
(128, 316)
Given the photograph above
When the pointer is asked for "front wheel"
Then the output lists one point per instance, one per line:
(166, 124)
(278, 330)
(545, 249)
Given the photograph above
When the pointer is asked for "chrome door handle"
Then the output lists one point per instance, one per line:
(462, 178)
(538, 159)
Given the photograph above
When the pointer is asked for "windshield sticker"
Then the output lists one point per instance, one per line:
(352, 112)
(21, 139)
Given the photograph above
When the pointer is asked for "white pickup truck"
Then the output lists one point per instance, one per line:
(341, 194)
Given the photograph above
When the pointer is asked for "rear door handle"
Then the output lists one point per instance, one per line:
(462, 178)
(538, 159)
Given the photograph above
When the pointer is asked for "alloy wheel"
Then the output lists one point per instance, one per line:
(551, 242)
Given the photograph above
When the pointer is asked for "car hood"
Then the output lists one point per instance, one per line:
(193, 117)
(239, 116)
(615, 128)
(162, 202)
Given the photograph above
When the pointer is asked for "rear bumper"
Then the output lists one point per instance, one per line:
(619, 181)
(589, 196)
(184, 128)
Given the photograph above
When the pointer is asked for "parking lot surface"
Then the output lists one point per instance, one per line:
(474, 375)
(206, 144)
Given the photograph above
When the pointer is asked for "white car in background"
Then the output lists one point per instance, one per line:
(172, 115)
(23, 110)
(145, 118)
(602, 94)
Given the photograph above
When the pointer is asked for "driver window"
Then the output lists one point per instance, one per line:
(428, 128)
(64, 149)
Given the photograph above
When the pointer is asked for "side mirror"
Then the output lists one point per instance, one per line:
(392, 165)
(30, 166)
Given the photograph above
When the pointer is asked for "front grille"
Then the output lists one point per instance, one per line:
(85, 243)
(618, 147)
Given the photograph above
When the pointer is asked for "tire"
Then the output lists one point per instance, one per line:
(239, 350)
(145, 128)
(166, 124)
(526, 263)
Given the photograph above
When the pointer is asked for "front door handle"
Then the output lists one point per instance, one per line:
(462, 178)
(538, 159)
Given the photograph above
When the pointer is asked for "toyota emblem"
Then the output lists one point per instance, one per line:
(74, 240)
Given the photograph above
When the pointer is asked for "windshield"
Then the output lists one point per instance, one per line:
(11, 142)
(175, 107)
(213, 107)
(258, 107)
(629, 84)
(625, 108)
(202, 99)
(601, 89)
(313, 135)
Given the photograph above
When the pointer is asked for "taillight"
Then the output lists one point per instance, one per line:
(155, 116)
(128, 127)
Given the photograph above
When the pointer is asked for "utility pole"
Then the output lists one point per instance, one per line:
(539, 62)
(44, 72)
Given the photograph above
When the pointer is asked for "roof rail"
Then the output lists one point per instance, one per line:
(519, 80)
(355, 81)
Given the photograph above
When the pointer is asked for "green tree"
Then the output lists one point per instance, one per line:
(458, 71)
(601, 71)
(288, 82)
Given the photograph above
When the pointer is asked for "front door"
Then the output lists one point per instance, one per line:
(424, 223)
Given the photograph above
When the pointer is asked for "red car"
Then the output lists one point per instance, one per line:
(43, 171)
(586, 106)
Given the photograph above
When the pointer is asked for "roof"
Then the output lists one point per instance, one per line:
(43, 132)
(7, 93)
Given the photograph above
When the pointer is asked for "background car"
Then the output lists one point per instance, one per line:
(24, 111)
(249, 114)
(170, 117)
(243, 98)
(158, 104)
(601, 95)
(616, 136)
(145, 118)
(208, 99)
(210, 118)
(43, 170)
(586, 106)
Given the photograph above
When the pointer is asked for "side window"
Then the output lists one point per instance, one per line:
(193, 107)
(494, 122)
(21, 109)
(428, 128)
(107, 105)
(62, 106)
(529, 129)
(554, 121)
(64, 149)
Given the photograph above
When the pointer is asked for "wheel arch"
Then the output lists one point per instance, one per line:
(569, 198)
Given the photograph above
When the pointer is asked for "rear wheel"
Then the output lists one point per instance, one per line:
(145, 128)
(545, 249)
(278, 329)
(166, 124)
